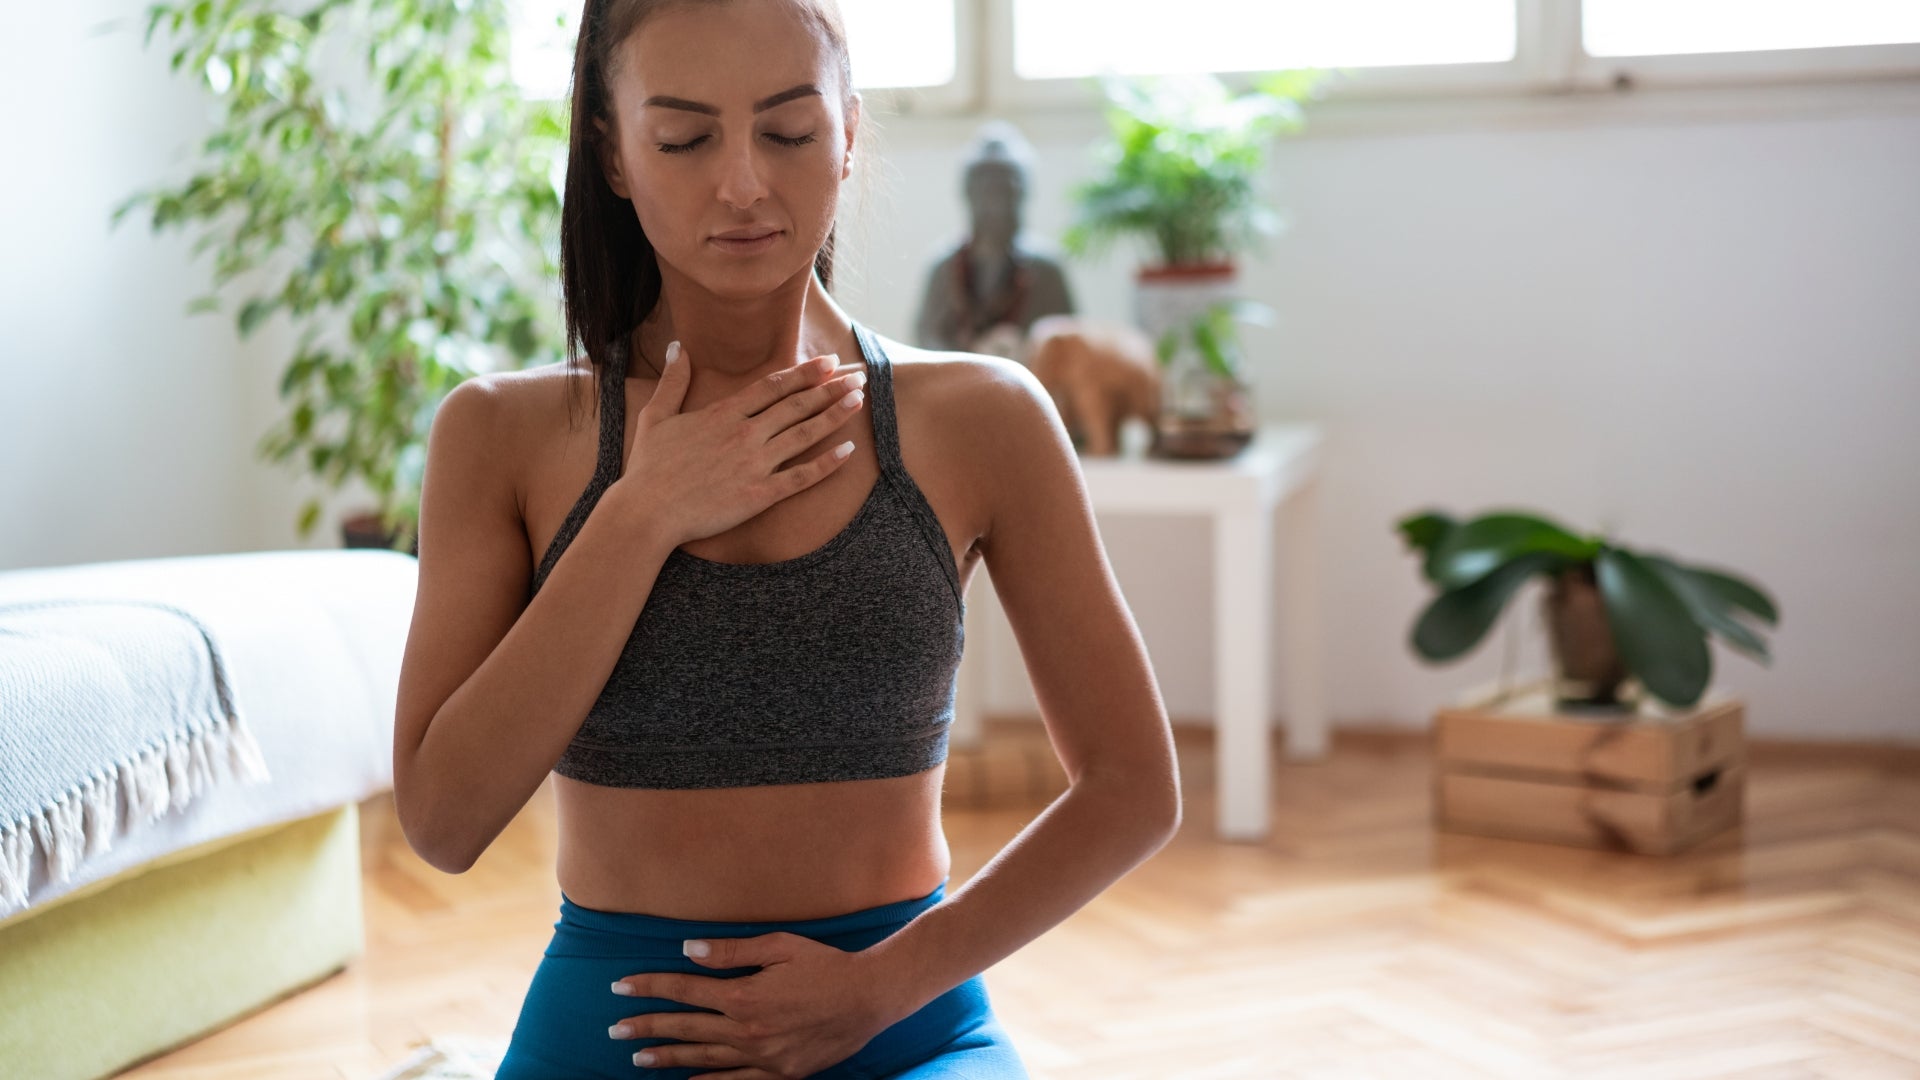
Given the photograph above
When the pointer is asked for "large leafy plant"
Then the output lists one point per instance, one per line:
(1660, 612)
(400, 215)
(1183, 165)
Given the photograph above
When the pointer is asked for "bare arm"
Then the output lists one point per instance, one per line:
(1096, 692)
(493, 687)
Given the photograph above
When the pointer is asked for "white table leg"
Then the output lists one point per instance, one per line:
(1306, 706)
(1307, 730)
(1243, 601)
(970, 689)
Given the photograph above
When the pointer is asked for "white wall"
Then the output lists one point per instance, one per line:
(1693, 328)
(118, 415)
(1695, 331)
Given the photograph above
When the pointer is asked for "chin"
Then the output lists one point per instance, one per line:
(742, 282)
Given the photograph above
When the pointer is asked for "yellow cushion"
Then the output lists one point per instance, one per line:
(132, 966)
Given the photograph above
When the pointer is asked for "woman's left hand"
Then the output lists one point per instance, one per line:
(809, 1006)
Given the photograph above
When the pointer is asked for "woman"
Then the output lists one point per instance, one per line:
(733, 646)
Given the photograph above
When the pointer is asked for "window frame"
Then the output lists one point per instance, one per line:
(1550, 64)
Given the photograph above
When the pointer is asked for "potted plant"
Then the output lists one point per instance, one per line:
(1612, 614)
(1182, 171)
(403, 220)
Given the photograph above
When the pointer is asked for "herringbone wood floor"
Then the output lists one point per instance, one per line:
(1355, 942)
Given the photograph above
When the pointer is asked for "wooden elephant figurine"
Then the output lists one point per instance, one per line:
(1099, 374)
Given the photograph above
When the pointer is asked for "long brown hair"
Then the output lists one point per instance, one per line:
(609, 274)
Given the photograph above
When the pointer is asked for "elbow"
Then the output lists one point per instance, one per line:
(1167, 813)
(1159, 816)
(428, 836)
(1165, 824)
(1174, 818)
(448, 859)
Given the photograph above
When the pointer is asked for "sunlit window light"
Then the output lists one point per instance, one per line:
(892, 43)
(1662, 27)
(1073, 38)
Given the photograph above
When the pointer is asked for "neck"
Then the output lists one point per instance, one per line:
(987, 247)
(731, 341)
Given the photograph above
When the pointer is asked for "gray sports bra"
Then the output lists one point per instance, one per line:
(839, 664)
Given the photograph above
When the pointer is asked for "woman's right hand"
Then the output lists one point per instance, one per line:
(708, 470)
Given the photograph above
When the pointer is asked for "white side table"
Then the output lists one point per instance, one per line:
(1275, 477)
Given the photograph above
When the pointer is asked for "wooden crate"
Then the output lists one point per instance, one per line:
(1654, 782)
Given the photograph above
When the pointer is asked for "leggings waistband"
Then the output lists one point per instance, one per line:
(658, 935)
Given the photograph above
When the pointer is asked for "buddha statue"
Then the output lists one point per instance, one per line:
(985, 294)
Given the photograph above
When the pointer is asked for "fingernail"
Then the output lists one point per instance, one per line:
(644, 1057)
(620, 1031)
(623, 989)
(696, 948)
(673, 351)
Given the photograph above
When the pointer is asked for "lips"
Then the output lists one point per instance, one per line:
(753, 232)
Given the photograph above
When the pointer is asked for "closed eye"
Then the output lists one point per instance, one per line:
(681, 148)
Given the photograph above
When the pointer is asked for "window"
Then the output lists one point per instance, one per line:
(1055, 39)
(1666, 27)
(894, 45)
(1744, 42)
(897, 44)
(995, 55)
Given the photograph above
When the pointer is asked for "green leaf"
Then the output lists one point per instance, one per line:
(1478, 547)
(1457, 619)
(1168, 344)
(1212, 348)
(309, 515)
(1658, 640)
(253, 311)
(1738, 592)
(1709, 609)
(1423, 533)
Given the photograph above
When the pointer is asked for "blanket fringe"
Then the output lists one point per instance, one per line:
(84, 821)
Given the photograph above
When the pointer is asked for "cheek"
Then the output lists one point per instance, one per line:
(818, 190)
(664, 202)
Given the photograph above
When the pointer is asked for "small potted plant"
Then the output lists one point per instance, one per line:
(406, 228)
(1182, 171)
(1614, 616)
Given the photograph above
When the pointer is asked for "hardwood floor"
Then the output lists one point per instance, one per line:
(1355, 942)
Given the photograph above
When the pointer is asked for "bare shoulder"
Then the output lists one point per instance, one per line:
(979, 392)
(525, 411)
(999, 428)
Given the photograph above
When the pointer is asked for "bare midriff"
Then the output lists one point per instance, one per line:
(751, 854)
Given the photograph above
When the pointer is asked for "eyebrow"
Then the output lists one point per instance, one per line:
(762, 105)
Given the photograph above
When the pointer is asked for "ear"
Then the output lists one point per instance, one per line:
(607, 148)
(853, 125)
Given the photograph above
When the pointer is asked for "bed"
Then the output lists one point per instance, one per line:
(120, 943)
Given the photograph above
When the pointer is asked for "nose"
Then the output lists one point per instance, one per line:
(741, 184)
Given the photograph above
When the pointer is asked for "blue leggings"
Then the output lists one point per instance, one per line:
(562, 1030)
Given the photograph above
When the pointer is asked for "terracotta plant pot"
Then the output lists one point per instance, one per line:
(364, 531)
(1588, 671)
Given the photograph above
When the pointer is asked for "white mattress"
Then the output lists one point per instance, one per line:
(312, 641)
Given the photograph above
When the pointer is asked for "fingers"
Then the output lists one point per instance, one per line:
(672, 391)
(705, 991)
(787, 381)
(846, 398)
(805, 476)
(693, 1055)
(690, 1027)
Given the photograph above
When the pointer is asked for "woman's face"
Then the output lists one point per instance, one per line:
(728, 117)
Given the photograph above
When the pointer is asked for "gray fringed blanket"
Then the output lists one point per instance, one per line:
(112, 712)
